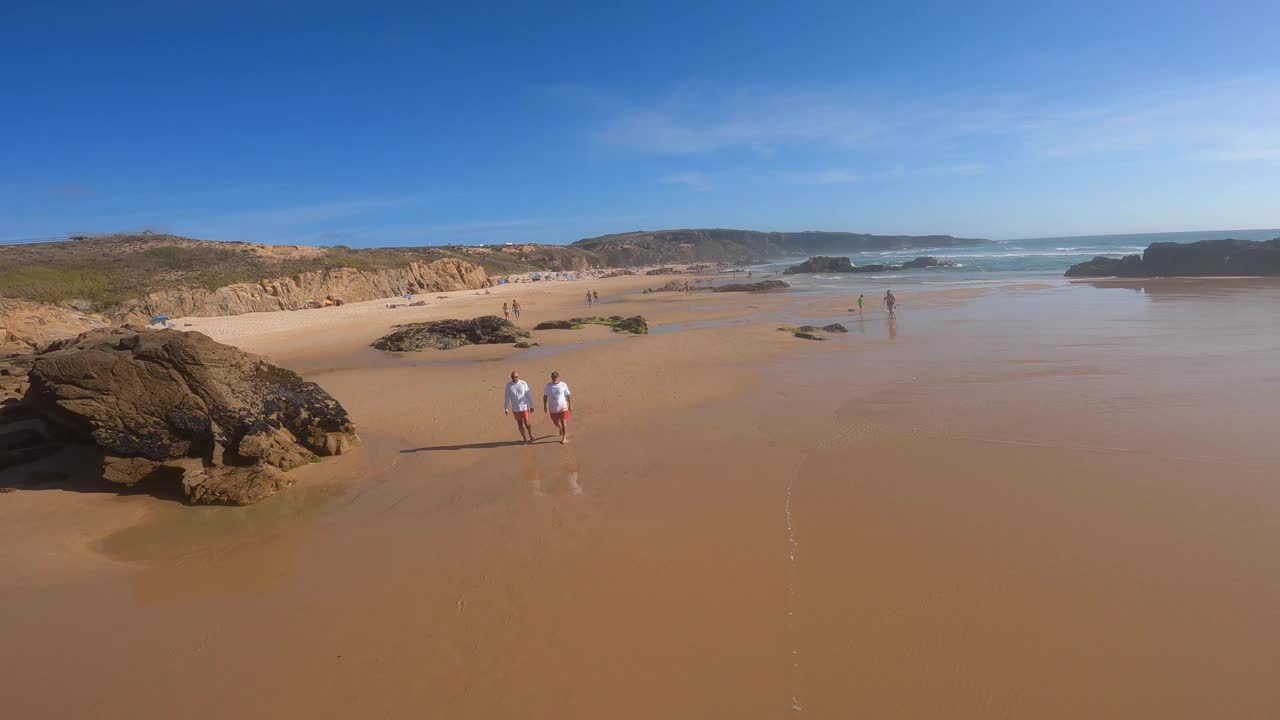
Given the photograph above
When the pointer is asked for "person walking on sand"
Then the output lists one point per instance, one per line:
(506, 312)
(859, 303)
(595, 297)
(891, 302)
(588, 298)
(557, 403)
(515, 308)
(518, 401)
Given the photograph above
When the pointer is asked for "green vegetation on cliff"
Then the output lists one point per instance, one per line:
(104, 271)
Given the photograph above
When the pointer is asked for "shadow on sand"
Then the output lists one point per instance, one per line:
(479, 446)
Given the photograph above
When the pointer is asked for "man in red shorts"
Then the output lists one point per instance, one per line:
(556, 401)
(519, 401)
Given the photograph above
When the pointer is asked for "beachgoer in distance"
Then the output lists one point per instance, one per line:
(506, 312)
(557, 403)
(595, 296)
(515, 308)
(588, 298)
(890, 302)
(859, 303)
(518, 401)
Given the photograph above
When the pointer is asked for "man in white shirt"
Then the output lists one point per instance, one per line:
(556, 401)
(519, 401)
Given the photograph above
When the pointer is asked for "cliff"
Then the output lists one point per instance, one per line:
(292, 293)
(1206, 258)
(742, 246)
(26, 326)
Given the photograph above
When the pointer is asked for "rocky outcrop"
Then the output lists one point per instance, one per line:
(297, 291)
(822, 264)
(26, 326)
(449, 334)
(662, 271)
(810, 332)
(178, 407)
(1197, 259)
(635, 324)
(762, 286)
(1101, 266)
(926, 262)
(842, 265)
(673, 286)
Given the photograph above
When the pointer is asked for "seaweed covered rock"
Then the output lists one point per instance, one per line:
(635, 324)
(822, 264)
(928, 261)
(178, 405)
(762, 286)
(449, 334)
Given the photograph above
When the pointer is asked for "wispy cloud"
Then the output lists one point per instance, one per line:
(1219, 120)
(692, 180)
(830, 176)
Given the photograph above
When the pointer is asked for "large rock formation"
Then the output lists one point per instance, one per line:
(1197, 259)
(178, 406)
(1102, 266)
(449, 334)
(292, 293)
(635, 324)
(822, 264)
(926, 262)
(762, 286)
(26, 326)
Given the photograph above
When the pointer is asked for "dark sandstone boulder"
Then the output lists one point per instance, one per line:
(1100, 266)
(822, 264)
(173, 405)
(835, 328)
(635, 324)
(1196, 259)
(449, 334)
(927, 261)
(1212, 257)
(808, 336)
(762, 286)
(662, 271)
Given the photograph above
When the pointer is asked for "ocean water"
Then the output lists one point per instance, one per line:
(1034, 258)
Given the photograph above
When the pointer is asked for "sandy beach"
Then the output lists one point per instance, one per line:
(1049, 500)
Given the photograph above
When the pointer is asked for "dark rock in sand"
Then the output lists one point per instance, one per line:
(449, 334)
(808, 336)
(635, 324)
(926, 262)
(526, 345)
(1212, 257)
(1197, 259)
(835, 327)
(673, 286)
(762, 286)
(1129, 266)
(173, 405)
(822, 264)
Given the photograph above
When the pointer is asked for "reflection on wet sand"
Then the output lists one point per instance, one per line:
(566, 478)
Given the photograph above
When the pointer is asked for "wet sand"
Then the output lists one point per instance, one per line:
(1022, 501)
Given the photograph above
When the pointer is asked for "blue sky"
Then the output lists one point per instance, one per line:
(384, 123)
